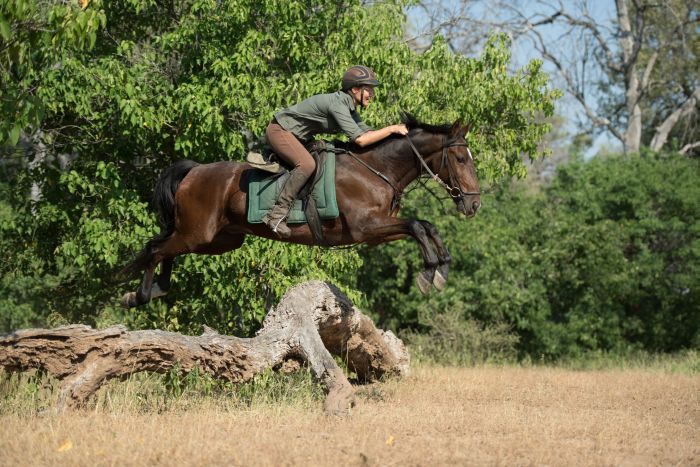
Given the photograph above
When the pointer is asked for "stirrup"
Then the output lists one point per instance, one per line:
(275, 229)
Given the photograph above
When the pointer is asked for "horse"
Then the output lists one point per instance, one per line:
(202, 207)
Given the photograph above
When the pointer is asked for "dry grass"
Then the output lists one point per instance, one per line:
(438, 416)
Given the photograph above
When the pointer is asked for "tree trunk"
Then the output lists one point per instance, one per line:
(311, 319)
(629, 46)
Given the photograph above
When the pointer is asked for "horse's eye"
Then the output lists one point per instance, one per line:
(461, 159)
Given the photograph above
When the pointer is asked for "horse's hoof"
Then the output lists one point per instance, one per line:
(439, 281)
(129, 300)
(424, 283)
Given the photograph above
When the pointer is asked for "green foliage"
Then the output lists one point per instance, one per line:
(605, 259)
(107, 94)
(35, 36)
(233, 292)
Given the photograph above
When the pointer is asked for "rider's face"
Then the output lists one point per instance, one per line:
(363, 94)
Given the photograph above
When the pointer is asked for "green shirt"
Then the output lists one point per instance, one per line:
(322, 113)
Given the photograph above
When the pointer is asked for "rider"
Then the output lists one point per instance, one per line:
(322, 113)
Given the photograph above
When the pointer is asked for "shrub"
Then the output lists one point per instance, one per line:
(605, 259)
(453, 340)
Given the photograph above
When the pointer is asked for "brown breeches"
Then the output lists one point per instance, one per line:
(288, 147)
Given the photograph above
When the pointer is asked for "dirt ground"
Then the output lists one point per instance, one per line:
(437, 416)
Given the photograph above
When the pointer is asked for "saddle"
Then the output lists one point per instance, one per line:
(315, 202)
(265, 160)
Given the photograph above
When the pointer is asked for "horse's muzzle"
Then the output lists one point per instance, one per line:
(469, 207)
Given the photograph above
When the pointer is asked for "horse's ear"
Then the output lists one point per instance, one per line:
(467, 128)
(456, 128)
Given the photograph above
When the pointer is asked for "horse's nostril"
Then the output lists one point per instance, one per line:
(476, 205)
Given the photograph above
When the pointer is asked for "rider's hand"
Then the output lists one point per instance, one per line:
(400, 129)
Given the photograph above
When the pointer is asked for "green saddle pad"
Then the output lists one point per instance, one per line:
(263, 189)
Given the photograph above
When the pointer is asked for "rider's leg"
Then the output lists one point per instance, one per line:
(291, 150)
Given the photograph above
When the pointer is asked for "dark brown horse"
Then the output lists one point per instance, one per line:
(202, 208)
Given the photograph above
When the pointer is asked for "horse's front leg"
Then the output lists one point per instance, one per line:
(425, 278)
(444, 258)
(394, 229)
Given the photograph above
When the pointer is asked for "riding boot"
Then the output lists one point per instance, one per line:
(275, 219)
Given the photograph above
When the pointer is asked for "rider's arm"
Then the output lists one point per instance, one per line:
(372, 136)
(350, 123)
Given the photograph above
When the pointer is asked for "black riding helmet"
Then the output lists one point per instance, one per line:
(359, 75)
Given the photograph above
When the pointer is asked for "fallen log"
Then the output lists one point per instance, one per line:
(311, 322)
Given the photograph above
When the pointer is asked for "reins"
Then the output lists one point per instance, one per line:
(374, 171)
(454, 190)
(398, 194)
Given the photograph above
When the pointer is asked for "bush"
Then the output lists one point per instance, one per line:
(605, 259)
(453, 340)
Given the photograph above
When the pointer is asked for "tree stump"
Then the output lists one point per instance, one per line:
(312, 321)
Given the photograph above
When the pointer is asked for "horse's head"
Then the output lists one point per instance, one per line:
(457, 171)
(443, 153)
(448, 161)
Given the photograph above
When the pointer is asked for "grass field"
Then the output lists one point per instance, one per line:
(437, 416)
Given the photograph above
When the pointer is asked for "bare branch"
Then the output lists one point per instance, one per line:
(594, 29)
(663, 130)
(573, 89)
(644, 84)
(686, 149)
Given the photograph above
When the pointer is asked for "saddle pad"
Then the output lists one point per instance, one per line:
(263, 189)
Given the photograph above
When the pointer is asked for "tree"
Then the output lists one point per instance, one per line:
(34, 35)
(169, 80)
(635, 76)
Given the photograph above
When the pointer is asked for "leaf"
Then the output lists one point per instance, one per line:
(13, 135)
(5, 30)
(67, 445)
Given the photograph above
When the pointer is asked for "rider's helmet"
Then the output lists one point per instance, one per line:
(359, 75)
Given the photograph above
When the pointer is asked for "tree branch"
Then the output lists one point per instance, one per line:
(574, 90)
(686, 149)
(663, 130)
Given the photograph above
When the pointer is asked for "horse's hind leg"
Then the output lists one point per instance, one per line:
(159, 288)
(165, 255)
(444, 258)
(143, 293)
(162, 285)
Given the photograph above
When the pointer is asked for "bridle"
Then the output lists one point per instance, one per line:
(454, 189)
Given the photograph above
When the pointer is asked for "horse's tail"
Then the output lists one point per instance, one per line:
(164, 201)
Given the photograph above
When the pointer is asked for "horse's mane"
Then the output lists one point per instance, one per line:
(413, 123)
